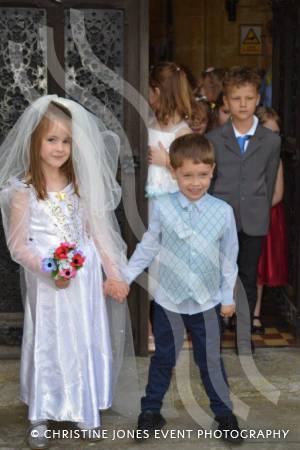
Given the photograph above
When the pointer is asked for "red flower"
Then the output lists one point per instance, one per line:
(61, 252)
(77, 260)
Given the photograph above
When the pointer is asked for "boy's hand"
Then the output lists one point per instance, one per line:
(61, 283)
(227, 310)
(116, 289)
(158, 156)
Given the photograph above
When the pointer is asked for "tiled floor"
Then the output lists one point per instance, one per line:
(277, 333)
(272, 338)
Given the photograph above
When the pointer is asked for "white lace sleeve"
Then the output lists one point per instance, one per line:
(15, 209)
(110, 266)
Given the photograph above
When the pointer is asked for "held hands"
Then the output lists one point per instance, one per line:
(116, 289)
(227, 310)
(61, 283)
(159, 156)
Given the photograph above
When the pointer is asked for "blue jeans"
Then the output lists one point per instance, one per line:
(204, 329)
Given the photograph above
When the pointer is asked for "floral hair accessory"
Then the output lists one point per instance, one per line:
(66, 260)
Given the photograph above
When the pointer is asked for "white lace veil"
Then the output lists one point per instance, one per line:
(95, 158)
(95, 152)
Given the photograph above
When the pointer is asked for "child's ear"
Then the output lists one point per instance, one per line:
(173, 173)
(258, 100)
(225, 102)
(212, 170)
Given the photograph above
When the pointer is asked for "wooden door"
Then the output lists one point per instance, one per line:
(95, 52)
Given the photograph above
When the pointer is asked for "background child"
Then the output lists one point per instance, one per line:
(272, 266)
(200, 120)
(247, 156)
(195, 235)
(170, 98)
(220, 114)
(211, 83)
(53, 177)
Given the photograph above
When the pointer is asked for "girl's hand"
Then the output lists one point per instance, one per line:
(159, 156)
(61, 283)
(227, 310)
(116, 289)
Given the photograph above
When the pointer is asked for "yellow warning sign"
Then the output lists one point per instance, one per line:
(250, 40)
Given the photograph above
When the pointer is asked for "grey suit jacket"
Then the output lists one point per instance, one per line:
(246, 181)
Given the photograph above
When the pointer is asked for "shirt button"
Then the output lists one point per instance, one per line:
(242, 198)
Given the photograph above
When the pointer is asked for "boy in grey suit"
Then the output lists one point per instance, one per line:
(247, 157)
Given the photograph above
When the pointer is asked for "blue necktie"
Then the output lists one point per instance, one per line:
(242, 141)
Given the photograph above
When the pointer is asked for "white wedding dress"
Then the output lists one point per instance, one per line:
(66, 364)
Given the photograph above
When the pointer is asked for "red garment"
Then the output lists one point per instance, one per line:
(272, 267)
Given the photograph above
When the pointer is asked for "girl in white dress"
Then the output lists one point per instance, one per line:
(58, 185)
(170, 98)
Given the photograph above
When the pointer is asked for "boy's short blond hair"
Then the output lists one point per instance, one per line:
(191, 146)
(239, 76)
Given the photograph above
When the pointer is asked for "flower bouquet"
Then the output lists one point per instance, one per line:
(66, 260)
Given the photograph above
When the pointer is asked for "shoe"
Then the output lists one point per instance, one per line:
(36, 438)
(148, 422)
(230, 429)
(257, 329)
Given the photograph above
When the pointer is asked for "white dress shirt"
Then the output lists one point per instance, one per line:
(250, 132)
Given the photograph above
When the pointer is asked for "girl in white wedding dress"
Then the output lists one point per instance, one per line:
(58, 185)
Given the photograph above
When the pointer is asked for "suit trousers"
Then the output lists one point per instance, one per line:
(204, 329)
(249, 252)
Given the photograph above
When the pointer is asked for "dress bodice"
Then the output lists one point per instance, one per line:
(57, 219)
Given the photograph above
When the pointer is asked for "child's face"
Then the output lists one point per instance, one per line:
(199, 126)
(56, 145)
(193, 178)
(272, 125)
(242, 102)
(223, 115)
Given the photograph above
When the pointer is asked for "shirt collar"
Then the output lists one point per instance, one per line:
(185, 202)
(250, 132)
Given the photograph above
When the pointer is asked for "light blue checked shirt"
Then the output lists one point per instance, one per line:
(149, 248)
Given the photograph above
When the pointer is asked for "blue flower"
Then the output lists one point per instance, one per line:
(48, 265)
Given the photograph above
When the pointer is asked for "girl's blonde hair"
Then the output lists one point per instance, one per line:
(35, 176)
(175, 92)
(266, 113)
